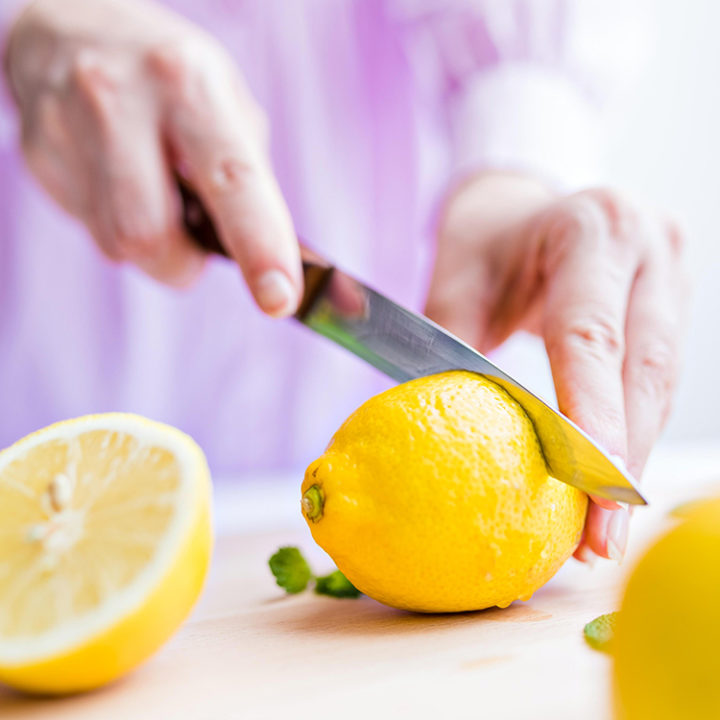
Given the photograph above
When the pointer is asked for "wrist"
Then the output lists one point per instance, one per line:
(488, 203)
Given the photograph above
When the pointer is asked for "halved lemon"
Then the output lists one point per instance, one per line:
(105, 541)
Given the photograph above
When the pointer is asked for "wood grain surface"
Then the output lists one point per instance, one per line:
(249, 652)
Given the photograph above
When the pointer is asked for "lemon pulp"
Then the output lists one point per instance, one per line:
(104, 544)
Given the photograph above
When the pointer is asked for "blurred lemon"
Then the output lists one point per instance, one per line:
(667, 635)
(434, 496)
(104, 546)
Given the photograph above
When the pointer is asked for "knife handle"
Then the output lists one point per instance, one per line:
(198, 224)
(197, 221)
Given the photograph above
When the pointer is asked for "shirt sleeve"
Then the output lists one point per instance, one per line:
(526, 85)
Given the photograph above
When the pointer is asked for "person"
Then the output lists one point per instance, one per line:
(435, 149)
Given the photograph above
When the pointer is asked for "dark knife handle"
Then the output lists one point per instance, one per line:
(200, 227)
(197, 221)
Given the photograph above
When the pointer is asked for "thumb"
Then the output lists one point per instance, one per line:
(459, 299)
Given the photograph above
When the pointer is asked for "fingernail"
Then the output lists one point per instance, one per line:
(588, 557)
(274, 294)
(617, 535)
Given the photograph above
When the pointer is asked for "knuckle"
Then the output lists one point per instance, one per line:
(232, 174)
(90, 74)
(610, 201)
(622, 218)
(622, 221)
(675, 237)
(599, 220)
(174, 62)
(580, 222)
(135, 246)
(96, 84)
(596, 335)
(655, 371)
(571, 227)
(135, 237)
(187, 66)
(582, 217)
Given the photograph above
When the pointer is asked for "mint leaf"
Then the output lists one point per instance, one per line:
(336, 585)
(291, 571)
(599, 633)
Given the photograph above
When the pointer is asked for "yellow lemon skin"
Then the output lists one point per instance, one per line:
(123, 647)
(130, 639)
(666, 649)
(434, 497)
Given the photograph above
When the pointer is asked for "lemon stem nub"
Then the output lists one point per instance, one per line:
(313, 500)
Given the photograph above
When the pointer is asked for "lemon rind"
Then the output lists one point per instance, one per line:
(68, 636)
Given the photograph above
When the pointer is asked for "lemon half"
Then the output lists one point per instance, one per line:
(105, 540)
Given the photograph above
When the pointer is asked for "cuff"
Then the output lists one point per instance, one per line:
(525, 118)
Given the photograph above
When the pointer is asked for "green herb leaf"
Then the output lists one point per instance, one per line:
(336, 585)
(599, 633)
(290, 569)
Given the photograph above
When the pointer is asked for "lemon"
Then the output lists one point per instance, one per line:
(667, 637)
(104, 545)
(434, 496)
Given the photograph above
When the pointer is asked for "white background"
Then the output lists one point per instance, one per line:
(665, 149)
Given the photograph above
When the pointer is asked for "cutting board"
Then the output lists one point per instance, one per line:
(248, 651)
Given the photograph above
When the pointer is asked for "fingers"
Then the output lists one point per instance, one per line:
(651, 326)
(52, 155)
(654, 332)
(606, 534)
(604, 285)
(590, 259)
(104, 162)
(134, 217)
(213, 130)
(591, 252)
(100, 145)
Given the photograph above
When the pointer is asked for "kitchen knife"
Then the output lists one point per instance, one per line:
(406, 345)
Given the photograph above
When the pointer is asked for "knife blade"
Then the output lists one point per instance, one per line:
(406, 345)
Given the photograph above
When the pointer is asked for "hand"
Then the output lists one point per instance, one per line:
(116, 95)
(602, 284)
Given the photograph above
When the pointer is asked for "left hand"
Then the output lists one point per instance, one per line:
(601, 282)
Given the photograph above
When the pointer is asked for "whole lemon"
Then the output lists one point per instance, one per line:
(434, 496)
(665, 649)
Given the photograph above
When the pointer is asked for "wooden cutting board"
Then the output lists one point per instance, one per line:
(250, 652)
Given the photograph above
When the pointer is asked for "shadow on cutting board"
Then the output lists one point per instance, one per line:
(367, 617)
(15, 705)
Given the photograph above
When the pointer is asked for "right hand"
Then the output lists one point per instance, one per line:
(117, 95)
